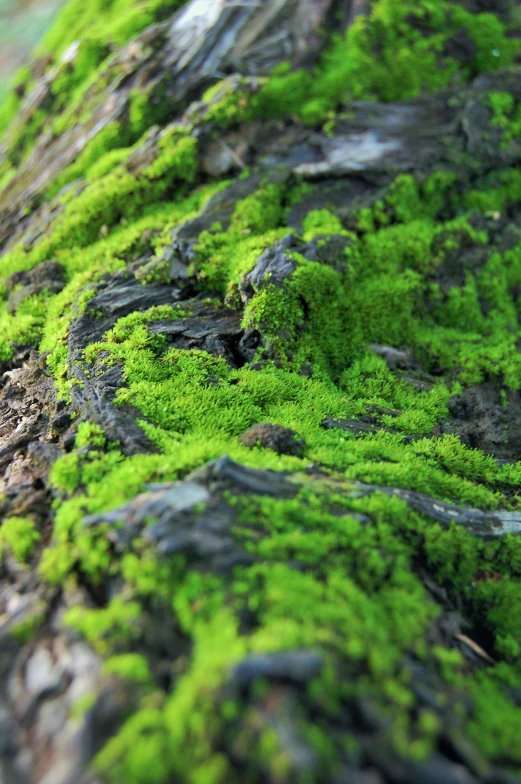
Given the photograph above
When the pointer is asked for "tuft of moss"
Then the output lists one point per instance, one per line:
(18, 536)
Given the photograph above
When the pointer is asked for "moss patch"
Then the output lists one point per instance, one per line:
(430, 269)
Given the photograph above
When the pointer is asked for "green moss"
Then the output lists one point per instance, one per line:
(24, 327)
(139, 752)
(50, 317)
(93, 457)
(227, 103)
(8, 109)
(104, 629)
(18, 536)
(331, 571)
(499, 190)
(81, 41)
(507, 116)
(319, 222)
(304, 320)
(99, 157)
(399, 50)
(82, 705)
(495, 724)
(130, 666)
(105, 24)
(223, 257)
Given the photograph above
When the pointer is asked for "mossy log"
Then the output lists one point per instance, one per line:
(260, 412)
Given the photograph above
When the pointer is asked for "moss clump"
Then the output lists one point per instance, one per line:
(321, 222)
(11, 99)
(25, 326)
(131, 666)
(223, 257)
(499, 191)
(507, 116)
(399, 50)
(47, 319)
(104, 24)
(80, 44)
(387, 291)
(369, 572)
(18, 536)
(104, 629)
(228, 102)
(196, 407)
(424, 267)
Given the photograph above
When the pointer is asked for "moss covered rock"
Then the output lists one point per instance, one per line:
(260, 443)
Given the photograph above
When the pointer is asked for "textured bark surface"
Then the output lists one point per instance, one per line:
(260, 509)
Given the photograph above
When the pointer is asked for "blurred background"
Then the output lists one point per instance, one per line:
(22, 25)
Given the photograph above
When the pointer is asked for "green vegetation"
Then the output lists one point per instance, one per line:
(381, 289)
(507, 116)
(401, 49)
(18, 536)
(424, 267)
(81, 42)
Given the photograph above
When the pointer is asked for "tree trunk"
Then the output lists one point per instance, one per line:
(260, 408)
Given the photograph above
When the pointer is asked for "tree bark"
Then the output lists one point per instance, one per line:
(266, 712)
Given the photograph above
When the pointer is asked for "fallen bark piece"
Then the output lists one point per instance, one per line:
(293, 666)
(167, 501)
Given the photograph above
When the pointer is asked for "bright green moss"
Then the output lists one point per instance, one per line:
(223, 257)
(105, 628)
(93, 458)
(118, 198)
(501, 189)
(19, 536)
(355, 600)
(399, 50)
(24, 327)
(130, 666)
(357, 595)
(227, 103)
(81, 41)
(297, 609)
(319, 222)
(507, 116)
(52, 315)
(139, 752)
(380, 293)
(122, 195)
(99, 157)
(495, 723)
(111, 23)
